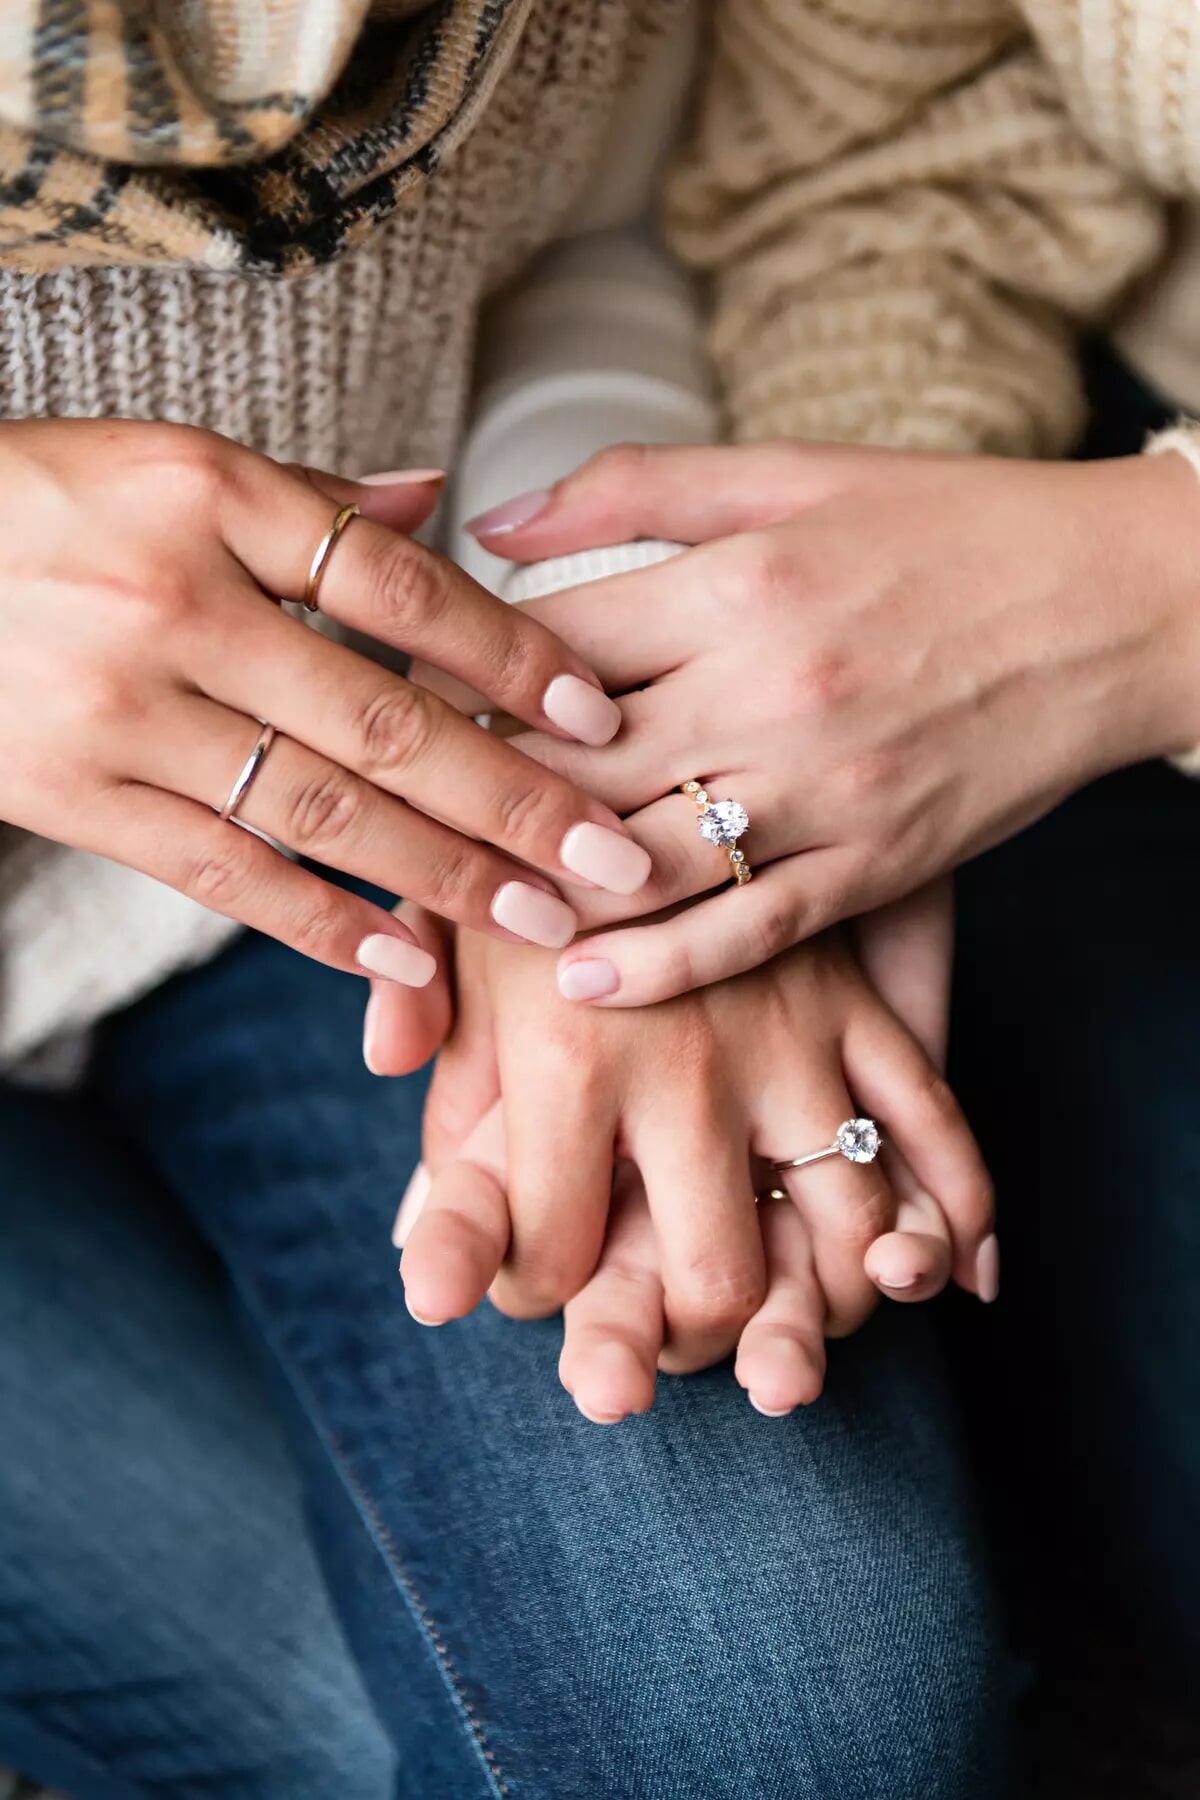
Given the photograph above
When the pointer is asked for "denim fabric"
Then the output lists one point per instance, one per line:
(702, 1603)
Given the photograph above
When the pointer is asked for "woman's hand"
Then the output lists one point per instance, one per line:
(892, 660)
(696, 1095)
(142, 646)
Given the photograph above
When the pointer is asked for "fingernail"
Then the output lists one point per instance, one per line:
(898, 1287)
(589, 980)
(533, 914)
(613, 862)
(409, 1210)
(581, 710)
(987, 1270)
(421, 1320)
(600, 1418)
(371, 1033)
(402, 477)
(501, 519)
(770, 1412)
(396, 960)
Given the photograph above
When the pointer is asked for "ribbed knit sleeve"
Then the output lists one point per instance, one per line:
(904, 225)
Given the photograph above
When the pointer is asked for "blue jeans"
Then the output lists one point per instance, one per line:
(700, 1603)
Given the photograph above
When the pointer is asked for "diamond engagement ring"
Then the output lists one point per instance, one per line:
(858, 1140)
(722, 822)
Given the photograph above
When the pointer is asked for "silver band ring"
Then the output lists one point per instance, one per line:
(858, 1140)
(248, 771)
(322, 554)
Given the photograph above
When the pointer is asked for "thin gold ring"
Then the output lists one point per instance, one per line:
(722, 822)
(248, 771)
(324, 551)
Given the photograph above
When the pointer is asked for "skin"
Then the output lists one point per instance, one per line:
(143, 644)
(929, 653)
(672, 1266)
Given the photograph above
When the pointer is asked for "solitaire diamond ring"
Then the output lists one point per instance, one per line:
(722, 822)
(858, 1140)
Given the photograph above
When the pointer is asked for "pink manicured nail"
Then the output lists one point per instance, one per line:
(402, 477)
(409, 1211)
(613, 862)
(898, 1287)
(987, 1270)
(534, 915)
(592, 979)
(501, 519)
(768, 1412)
(396, 960)
(581, 710)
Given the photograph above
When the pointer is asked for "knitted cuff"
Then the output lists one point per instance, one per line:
(1183, 437)
(529, 581)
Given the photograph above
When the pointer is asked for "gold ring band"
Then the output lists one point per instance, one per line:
(722, 822)
(324, 551)
(248, 771)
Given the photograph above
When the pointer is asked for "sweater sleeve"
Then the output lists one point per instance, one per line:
(904, 227)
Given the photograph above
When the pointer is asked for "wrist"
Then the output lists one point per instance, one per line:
(1145, 565)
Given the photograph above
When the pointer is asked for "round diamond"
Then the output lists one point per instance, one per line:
(859, 1140)
(723, 822)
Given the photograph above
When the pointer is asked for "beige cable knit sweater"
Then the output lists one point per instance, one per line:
(908, 209)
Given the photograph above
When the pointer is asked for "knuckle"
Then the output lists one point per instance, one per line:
(405, 585)
(675, 970)
(396, 727)
(449, 881)
(717, 1293)
(774, 930)
(529, 809)
(616, 470)
(197, 465)
(326, 810)
(217, 878)
(864, 1214)
(321, 932)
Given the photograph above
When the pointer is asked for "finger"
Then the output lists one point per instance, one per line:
(230, 871)
(781, 1353)
(687, 493)
(913, 1262)
(702, 1202)
(560, 1112)
(897, 1083)
(735, 930)
(466, 1077)
(906, 951)
(403, 1027)
(404, 741)
(457, 1241)
(323, 811)
(845, 1205)
(613, 1328)
(401, 499)
(398, 592)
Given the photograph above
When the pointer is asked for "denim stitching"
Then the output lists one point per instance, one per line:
(385, 1543)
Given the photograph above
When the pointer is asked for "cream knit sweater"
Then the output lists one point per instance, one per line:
(908, 208)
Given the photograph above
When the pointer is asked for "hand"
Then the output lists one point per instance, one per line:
(692, 1095)
(141, 649)
(892, 660)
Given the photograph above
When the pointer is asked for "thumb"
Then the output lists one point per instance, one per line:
(401, 499)
(404, 1027)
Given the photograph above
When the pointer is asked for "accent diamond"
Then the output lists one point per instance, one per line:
(723, 822)
(859, 1140)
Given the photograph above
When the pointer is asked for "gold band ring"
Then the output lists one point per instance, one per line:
(324, 551)
(722, 822)
(248, 771)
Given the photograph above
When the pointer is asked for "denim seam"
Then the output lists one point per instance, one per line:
(385, 1543)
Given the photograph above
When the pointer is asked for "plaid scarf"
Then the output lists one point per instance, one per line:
(265, 136)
